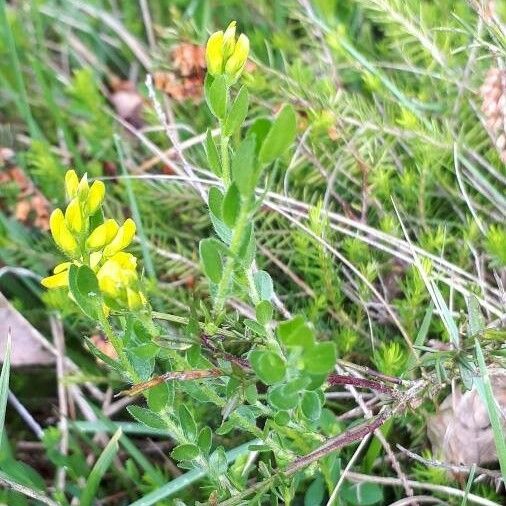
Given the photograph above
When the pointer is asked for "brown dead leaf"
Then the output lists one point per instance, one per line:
(31, 207)
(127, 101)
(27, 349)
(185, 80)
(460, 431)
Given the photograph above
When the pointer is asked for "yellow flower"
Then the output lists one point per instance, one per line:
(95, 197)
(225, 55)
(61, 234)
(118, 281)
(102, 235)
(235, 64)
(83, 188)
(74, 217)
(214, 53)
(229, 40)
(122, 239)
(59, 278)
(71, 183)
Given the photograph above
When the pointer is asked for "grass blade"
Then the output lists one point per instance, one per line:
(99, 469)
(7, 482)
(4, 384)
(484, 388)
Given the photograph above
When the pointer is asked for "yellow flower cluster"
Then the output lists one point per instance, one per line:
(98, 245)
(225, 55)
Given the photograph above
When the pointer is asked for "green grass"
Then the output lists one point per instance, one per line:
(381, 225)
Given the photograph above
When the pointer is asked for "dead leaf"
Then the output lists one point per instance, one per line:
(185, 79)
(460, 431)
(31, 207)
(127, 101)
(27, 349)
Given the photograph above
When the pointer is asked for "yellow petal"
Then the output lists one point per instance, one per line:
(83, 188)
(122, 239)
(229, 40)
(95, 196)
(236, 62)
(102, 235)
(95, 259)
(57, 280)
(74, 217)
(214, 53)
(61, 234)
(71, 183)
(134, 299)
(64, 266)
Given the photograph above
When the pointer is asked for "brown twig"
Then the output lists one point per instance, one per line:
(341, 379)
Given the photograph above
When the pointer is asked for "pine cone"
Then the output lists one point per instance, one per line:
(493, 92)
(460, 431)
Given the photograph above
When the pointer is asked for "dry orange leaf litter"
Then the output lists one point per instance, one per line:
(460, 431)
(186, 79)
(31, 207)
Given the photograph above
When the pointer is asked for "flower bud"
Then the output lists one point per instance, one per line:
(135, 299)
(56, 280)
(229, 41)
(236, 62)
(214, 53)
(122, 239)
(102, 235)
(59, 278)
(83, 188)
(95, 196)
(61, 234)
(71, 184)
(73, 216)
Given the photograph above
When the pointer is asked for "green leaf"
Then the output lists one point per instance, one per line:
(315, 492)
(243, 167)
(89, 493)
(263, 284)
(218, 462)
(247, 250)
(4, 383)
(215, 201)
(185, 451)
(311, 405)
(212, 154)
(259, 131)
(217, 97)
(255, 327)
(237, 113)
(362, 494)
(280, 398)
(147, 417)
(231, 206)
(320, 358)
(268, 366)
(211, 260)
(280, 136)
(476, 323)
(223, 232)
(263, 312)
(83, 286)
(187, 423)
(282, 418)
(205, 440)
(158, 397)
(296, 332)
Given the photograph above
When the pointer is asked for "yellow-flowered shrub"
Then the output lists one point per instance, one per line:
(86, 239)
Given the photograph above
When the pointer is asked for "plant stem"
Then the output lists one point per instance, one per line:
(225, 159)
(235, 245)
